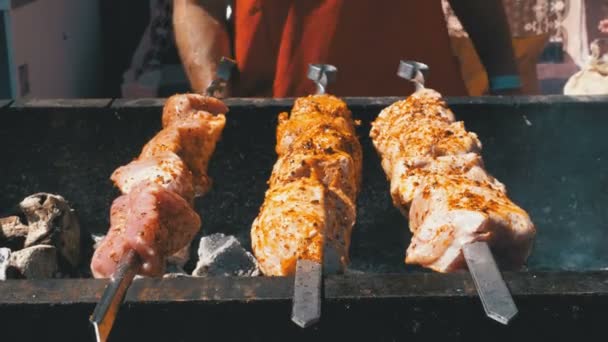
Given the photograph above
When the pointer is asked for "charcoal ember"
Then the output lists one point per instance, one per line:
(52, 222)
(36, 262)
(5, 255)
(12, 232)
(222, 255)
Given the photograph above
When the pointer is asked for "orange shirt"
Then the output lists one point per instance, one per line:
(275, 40)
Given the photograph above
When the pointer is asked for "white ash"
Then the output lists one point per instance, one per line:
(52, 222)
(221, 255)
(5, 255)
(97, 240)
(36, 262)
(12, 228)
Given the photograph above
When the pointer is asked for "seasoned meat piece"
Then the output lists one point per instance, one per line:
(290, 226)
(114, 245)
(151, 220)
(182, 106)
(451, 211)
(408, 178)
(336, 169)
(193, 139)
(165, 169)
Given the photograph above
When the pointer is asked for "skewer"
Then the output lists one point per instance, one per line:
(105, 312)
(491, 287)
(322, 75)
(308, 280)
(307, 293)
(493, 292)
(413, 72)
(217, 87)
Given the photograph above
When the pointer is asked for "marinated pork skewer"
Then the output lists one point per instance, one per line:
(305, 222)
(456, 209)
(308, 279)
(154, 217)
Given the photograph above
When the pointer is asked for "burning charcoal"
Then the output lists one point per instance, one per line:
(52, 222)
(223, 256)
(36, 262)
(12, 232)
(5, 255)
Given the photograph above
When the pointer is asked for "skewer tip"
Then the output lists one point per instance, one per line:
(503, 318)
(107, 308)
(307, 293)
(491, 287)
(100, 336)
(305, 322)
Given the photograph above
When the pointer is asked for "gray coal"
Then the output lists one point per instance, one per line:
(223, 255)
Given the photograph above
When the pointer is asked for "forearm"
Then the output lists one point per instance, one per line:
(486, 23)
(201, 38)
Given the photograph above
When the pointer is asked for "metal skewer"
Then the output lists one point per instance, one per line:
(322, 75)
(413, 72)
(217, 87)
(491, 287)
(308, 280)
(307, 289)
(105, 312)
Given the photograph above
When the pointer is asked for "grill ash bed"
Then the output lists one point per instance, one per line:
(551, 152)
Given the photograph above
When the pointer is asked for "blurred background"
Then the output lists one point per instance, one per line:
(118, 48)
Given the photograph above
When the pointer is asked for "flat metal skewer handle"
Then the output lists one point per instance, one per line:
(413, 71)
(322, 75)
(217, 87)
(106, 310)
(493, 292)
(306, 309)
